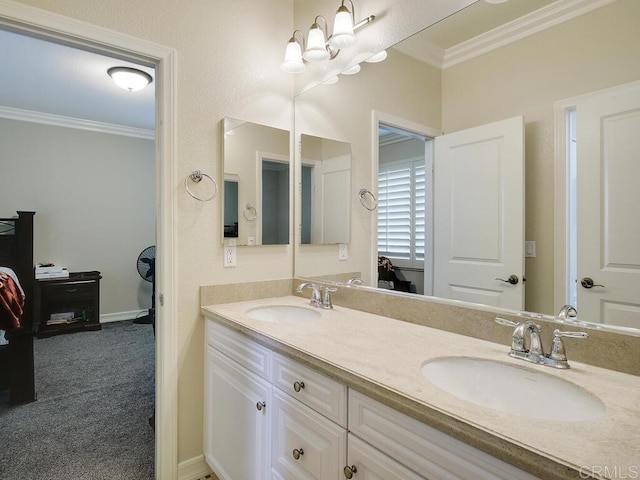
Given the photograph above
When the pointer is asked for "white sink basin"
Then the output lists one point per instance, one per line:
(282, 313)
(511, 389)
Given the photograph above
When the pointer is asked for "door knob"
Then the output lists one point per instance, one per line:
(513, 279)
(349, 471)
(587, 282)
(260, 406)
(297, 453)
(297, 386)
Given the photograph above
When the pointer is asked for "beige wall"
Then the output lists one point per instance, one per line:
(592, 52)
(228, 55)
(94, 198)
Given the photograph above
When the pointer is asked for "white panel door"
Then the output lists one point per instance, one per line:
(332, 178)
(479, 214)
(608, 175)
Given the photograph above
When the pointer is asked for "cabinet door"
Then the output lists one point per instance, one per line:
(237, 423)
(368, 463)
(306, 445)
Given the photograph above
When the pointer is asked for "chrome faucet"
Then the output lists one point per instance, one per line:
(355, 281)
(567, 311)
(315, 292)
(535, 353)
(320, 296)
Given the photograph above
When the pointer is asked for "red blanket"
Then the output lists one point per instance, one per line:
(11, 303)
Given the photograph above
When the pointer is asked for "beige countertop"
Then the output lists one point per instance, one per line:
(382, 358)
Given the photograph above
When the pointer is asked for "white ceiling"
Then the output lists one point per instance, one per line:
(46, 77)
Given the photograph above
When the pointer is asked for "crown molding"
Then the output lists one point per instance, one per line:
(71, 122)
(530, 24)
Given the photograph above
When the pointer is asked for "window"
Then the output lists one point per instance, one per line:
(401, 212)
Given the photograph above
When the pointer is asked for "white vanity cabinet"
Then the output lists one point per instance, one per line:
(237, 423)
(269, 417)
(255, 430)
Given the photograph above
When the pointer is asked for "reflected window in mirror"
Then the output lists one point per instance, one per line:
(326, 186)
(256, 203)
(403, 219)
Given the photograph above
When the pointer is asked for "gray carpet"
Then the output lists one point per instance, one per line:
(90, 422)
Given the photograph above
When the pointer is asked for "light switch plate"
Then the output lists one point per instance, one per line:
(530, 249)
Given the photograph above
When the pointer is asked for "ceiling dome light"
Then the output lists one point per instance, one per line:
(378, 57)
(293, 57)
(129, 78)
(352, 70)
(343, 35)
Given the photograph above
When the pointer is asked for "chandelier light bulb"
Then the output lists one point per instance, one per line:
(293, 58)
(343, 35)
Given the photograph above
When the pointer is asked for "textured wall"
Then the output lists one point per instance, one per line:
(228, 54)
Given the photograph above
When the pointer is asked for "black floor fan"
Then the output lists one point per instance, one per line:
(147, 269)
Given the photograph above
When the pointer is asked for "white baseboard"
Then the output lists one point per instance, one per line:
(119, 316)
(193, 469)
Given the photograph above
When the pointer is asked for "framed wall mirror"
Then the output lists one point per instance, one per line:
(257, 178)
(541, 62)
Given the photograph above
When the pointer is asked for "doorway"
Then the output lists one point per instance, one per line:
(28, 20)
(596, 238)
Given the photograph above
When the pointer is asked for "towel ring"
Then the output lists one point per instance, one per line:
(197, 176)
(362, 193)
(247, 212)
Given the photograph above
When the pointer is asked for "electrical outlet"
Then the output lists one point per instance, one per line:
(251, 240)
(229, 256)
(343, 253)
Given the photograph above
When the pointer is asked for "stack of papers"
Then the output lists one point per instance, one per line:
(49, 270)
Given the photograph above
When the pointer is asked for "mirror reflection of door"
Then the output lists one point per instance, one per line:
(479, 214)
(326, 183)
(273, 209)
(604, 169)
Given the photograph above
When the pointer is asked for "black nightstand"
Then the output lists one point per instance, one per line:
(66, 305)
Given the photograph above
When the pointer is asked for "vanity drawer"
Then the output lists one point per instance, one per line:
(423, 449)
(236, 346)
(319, 392)
(305, 444)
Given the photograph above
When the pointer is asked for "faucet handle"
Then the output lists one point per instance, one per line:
(508, 323)
(557, 347)
(326, 298)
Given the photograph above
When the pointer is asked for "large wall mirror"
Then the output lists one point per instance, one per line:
(256, 206)
(531, 74)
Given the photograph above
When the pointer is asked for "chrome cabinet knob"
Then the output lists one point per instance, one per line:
(297, 453)
(260, 406)
(587, 282)
(349, 471)
(297, 386)
(513, 279)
